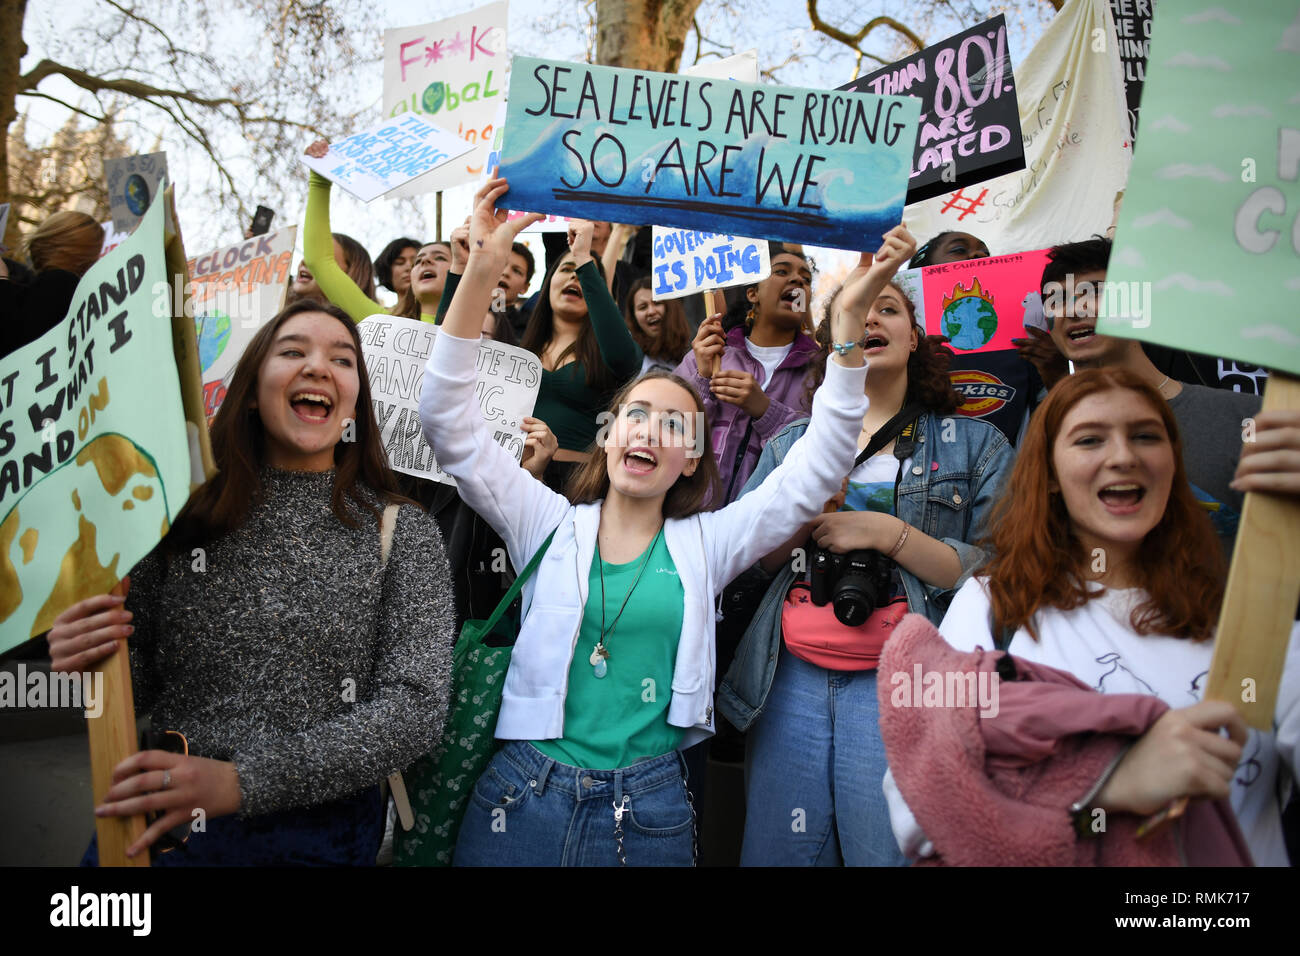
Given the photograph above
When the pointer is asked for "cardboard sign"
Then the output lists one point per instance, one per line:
(980, 304)
(96, 458)
(1217, 173)
(1075, 132)
(970, 121)
(236, 289)
(826, 168)
(455, 72)
(133, 183)
(686, 261)
(378, 160)
(396, 351)
(1133, 34)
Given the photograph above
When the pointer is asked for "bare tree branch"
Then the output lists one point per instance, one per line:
(854, 40)
(66, 106)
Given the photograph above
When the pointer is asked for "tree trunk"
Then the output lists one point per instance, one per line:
(643, 34)
(12, 49)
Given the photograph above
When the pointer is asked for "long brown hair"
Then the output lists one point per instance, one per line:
(589, 481)
(541, 329)
(222, 503)
(674, 335)
(409, 306)
(927, 367)
(1039, 563)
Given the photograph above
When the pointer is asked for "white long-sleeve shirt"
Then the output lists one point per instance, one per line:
(708, 549)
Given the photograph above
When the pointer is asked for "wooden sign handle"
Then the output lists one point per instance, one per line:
(112, 740)
(1263, 588)
(711, 307)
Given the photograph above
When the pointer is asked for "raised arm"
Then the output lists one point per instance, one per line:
(523, 511)
(318, 251)
(617, 349)
(814, 468)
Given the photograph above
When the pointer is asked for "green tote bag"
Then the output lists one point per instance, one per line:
(440, 782)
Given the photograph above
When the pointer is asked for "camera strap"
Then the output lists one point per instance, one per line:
(902, 426)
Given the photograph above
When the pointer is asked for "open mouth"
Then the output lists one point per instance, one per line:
(311, 406)
(427, 274)
(874, 342)
(572, 292)
(1082, 334)
(1122, 498)
(792, 296)
(640, 461)
(304, 275)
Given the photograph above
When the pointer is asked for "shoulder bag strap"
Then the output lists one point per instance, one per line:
(518, 585)
(388, 524)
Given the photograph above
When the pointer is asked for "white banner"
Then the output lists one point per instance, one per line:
(1074, 122)
(455, 71)
(235, 290)
(396, 351)
(686, 261)
(376, 161)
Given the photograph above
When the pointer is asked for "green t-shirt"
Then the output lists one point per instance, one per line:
(616, 720)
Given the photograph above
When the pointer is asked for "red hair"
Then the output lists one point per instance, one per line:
(1040, 563)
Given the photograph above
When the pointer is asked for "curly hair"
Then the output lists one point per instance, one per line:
(927, 367)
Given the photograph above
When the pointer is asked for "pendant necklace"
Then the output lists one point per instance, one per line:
(600, 653)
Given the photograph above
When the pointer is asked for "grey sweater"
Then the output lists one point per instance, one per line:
(286, 648)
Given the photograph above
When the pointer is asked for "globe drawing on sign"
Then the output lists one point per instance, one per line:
(213, 331)
(434, 94)
(969, 319)
(137, 194)
(110, 491)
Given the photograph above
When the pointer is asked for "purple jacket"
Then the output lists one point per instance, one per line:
(728, 423)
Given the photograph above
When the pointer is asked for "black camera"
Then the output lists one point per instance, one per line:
(857, 582)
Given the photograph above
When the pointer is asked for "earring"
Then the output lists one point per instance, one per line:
(750, 316)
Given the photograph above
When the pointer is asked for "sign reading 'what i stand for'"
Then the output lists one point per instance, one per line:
(802, 165)
(94, 448)
(970, 121)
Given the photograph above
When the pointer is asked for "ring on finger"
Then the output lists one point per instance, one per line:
(167, 779)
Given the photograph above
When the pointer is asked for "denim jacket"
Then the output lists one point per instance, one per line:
(957, 472)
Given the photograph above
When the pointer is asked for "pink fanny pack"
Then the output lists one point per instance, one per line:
(815, 635)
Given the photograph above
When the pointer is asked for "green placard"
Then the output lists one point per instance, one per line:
(94, 458)
(1207, 249)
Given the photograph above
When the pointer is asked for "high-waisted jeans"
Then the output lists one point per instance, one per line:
(530, 810)
(814, 769)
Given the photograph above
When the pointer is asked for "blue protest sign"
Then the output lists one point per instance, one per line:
(824, 167)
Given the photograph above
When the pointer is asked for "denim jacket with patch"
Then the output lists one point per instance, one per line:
(957, 472)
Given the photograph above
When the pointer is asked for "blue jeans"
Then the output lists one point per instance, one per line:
(814, 763)
(530, 810)
(344, 832)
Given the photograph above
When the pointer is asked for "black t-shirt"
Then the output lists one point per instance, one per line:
(1000, 387)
